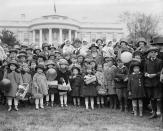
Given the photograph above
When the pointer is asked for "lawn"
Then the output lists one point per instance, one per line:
(73, 119)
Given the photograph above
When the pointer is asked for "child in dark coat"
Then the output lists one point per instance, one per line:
(76, 82)
(152, 69)
(136, 88)
(63, 81)
(121, 84)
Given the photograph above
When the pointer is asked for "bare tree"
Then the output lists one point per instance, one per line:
(140, 25)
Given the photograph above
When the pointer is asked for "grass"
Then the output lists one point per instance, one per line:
(73, 119)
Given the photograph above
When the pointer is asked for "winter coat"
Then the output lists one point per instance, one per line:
(16, 80)
(40, 84)
(121, 74)
(109, 75)
(76, 85)
(100, 81)
(63, 76)
(152, 67)
(136, 86)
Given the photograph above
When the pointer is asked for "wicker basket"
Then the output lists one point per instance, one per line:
(64, 87)
(90, 80)
(53, 84)
(22, 91)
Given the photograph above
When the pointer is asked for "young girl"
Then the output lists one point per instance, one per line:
(101, 89)
(89, 89)
(33, 64)
(16, 80)
(136, 88)
(26, 76)
(51, 75)
(40, 86)
(73, 60)
(63, 78)
(109, 74)
(76, 84)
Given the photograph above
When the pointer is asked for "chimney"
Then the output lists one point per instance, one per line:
(22, 16)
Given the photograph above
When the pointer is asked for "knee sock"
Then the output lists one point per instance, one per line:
(134, 104)
(47, 98)
(154, 105)
(140, 107)
(86, 102)
(37, 103)
(78, 100)
(92, 102)
(74, 101)
(9, 101)
(15, 102)
(102, 100)
(98, 100)
(61, 99)
(52, 97)
(115, 101)
(41, 103)
(65, 99)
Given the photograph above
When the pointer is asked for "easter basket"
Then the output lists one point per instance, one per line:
(53, 84)
(64, 87)
(22, 91)
(89, 80)
(101, 91)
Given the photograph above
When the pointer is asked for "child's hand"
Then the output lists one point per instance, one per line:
(126, 79)
(70, 77)
(116, 79)
(146, 75)
(74, 76)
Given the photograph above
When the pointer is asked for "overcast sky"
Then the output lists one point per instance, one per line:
(91, 10)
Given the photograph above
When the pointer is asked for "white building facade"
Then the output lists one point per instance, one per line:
(54, 29)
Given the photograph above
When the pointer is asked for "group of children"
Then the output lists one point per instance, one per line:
(52, 73)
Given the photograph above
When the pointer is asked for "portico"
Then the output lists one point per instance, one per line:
(53, 35)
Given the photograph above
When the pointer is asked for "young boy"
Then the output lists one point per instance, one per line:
(152, 69)
(121, 84)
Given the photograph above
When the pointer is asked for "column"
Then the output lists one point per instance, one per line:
(50, 36)
(40, 38)
(33, 36)
(76, 35)
(69, 35)
(60, 36)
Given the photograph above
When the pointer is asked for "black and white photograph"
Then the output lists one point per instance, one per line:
(81, 65)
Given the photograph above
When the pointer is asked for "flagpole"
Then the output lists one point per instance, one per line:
(55, 11)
